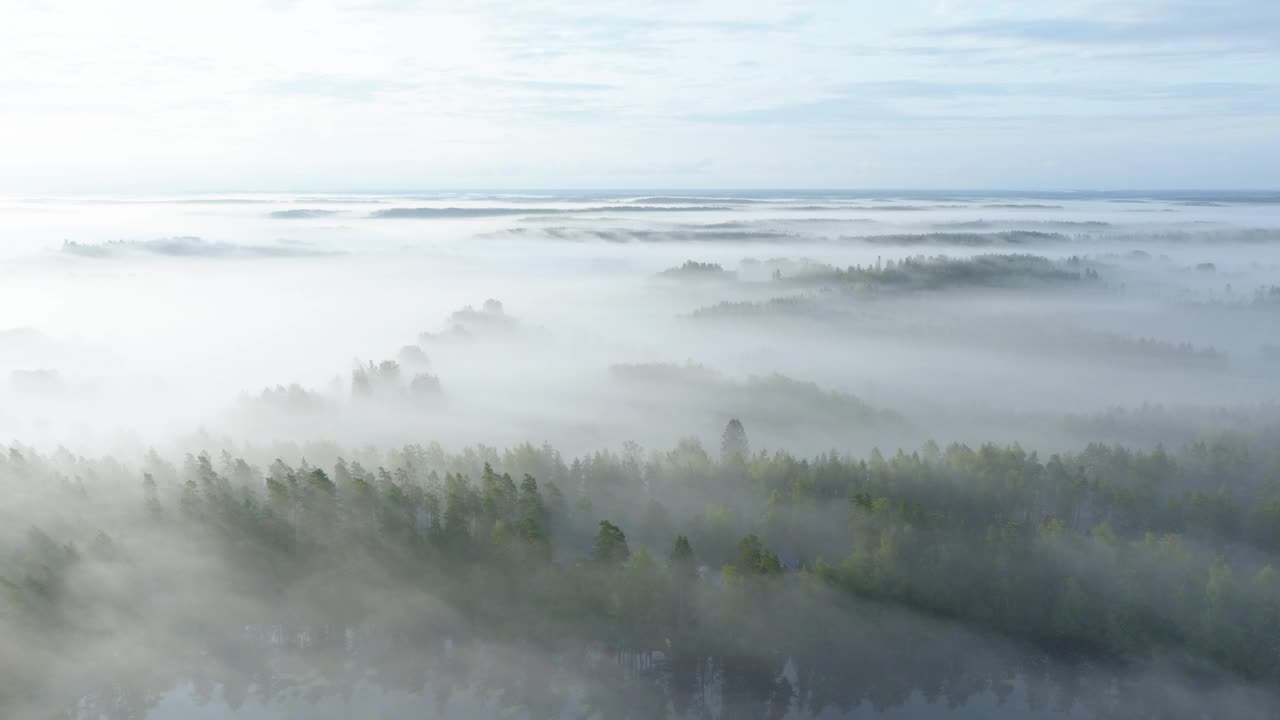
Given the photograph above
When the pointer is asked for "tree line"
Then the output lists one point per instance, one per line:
(769, 579)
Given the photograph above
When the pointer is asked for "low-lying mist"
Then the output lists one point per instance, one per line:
(730, 455)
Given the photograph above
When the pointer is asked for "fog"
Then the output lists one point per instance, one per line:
(160, 315)
(936, 395)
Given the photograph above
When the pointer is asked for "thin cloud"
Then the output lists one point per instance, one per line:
(1244, 26)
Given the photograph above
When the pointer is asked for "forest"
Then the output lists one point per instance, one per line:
(663, 584)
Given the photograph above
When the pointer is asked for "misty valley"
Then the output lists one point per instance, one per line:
(661, 454)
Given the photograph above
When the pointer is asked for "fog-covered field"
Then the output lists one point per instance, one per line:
(938, 395)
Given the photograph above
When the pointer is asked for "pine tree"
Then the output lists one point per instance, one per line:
(610, 547)
(734, 448)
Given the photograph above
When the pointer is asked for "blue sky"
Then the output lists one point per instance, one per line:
(381, 94)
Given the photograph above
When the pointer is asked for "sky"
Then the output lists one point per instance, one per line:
(382, 95)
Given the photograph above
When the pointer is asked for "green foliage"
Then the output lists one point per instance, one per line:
(610, 547)
(1103, 553)
(755, 559)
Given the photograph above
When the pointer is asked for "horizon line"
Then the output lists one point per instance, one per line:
(652, 189)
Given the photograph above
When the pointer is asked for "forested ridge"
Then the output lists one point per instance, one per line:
(728, 584)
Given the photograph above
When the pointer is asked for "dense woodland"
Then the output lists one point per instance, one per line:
(729, 583)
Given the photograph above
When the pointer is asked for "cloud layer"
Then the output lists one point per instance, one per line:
(559, 93)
